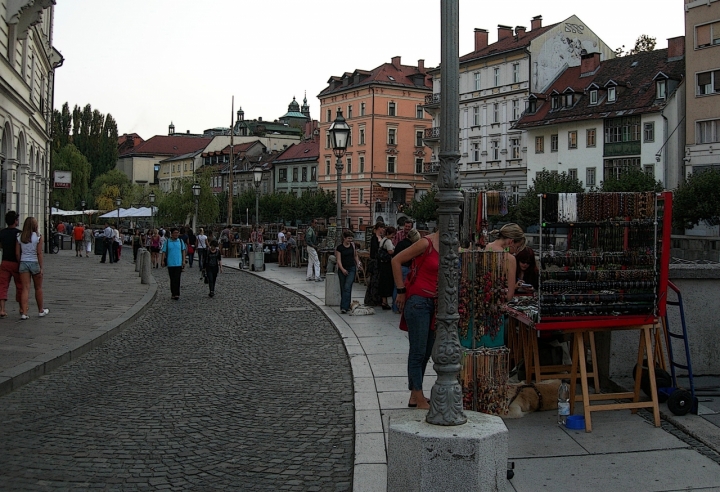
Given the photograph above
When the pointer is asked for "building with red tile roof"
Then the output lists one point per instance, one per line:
(600, 118)
(383, 166)
(296, 167)
(495, 81)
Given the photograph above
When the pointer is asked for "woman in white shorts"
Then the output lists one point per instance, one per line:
(29, 250)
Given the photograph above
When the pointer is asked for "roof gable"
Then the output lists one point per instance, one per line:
(169, 145)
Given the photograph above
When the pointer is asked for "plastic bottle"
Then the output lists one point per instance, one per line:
(563, 403)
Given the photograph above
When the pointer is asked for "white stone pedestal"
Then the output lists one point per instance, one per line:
(425, 457)
(332, 289)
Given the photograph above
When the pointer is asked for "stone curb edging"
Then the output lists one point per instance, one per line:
(14, 378)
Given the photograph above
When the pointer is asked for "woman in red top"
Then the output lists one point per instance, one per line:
(416, 300)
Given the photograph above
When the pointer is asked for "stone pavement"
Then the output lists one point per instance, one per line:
(249, 390)
(624, 451)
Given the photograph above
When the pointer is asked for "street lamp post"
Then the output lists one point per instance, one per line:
(151, 197)
(118, 202)
(57, 206)
(196, 194)
(257, 247)
(339, 132)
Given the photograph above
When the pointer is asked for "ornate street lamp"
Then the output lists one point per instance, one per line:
(151, 197)
(258, 247)
(339, 132)
(196, 194)
(118, 202)
(57, 206)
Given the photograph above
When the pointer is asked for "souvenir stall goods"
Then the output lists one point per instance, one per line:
(484, 380)
(478, 206)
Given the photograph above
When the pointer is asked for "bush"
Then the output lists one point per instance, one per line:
(697, 199)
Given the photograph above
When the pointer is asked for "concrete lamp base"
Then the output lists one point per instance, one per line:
(425, 457)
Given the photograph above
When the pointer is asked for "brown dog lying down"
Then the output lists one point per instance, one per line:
(533, 397)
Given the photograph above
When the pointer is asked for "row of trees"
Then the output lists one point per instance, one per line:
(694, 201)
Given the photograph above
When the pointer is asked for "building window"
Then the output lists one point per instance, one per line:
(419, 113)
(708, 83)
(327, 167)
(515, 148)
(362, 109)
(593, 96)
(531, 105)
(572, 140)
(590, 138)
(612, 94)
(392, 133)
(349, 111)
(516, 73)
(360, 195)
(539, 145)
(347, 196)
(572, 174)
(649, 169)
(476, 115)
(553, 143)
(515, 109)
(568, 101)
(419, 138)
(361, 136)
(496, 76)
(391, 109)
(660, 89)
(476, 152)
(495, 150)
(615, 167)
(707, 131)
(707, 35)
(361, 164)
(496, 113)
(625, 129)
(391, 164)
(327, 140)
(329, 115)
(282, 175)
(349, 165)
(649, 132)
(555, 102)
(304, 174)
(590, 176)
(418, 165)
(295, 174)
(313, 173)
(477, 81)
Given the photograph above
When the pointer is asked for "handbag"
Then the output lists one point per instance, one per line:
(382, 255)
(190, 249)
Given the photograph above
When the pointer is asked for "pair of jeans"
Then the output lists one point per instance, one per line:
(211, 274)
(202, 254)
(174, 274)
(418, 312)
(190, 258)
(108, 251)
(346, 284)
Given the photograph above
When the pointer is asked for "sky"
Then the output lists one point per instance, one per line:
(152, 62)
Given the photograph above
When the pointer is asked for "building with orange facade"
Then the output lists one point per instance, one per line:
(383, 166)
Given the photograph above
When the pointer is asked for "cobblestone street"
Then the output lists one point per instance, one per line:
(249, 390)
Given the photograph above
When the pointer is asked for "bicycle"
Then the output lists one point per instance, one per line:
(54, 245)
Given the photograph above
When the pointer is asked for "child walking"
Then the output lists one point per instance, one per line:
(213, 265)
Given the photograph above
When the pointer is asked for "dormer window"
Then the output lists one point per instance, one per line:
(532, 105)
(555, 102)
(612, 94)
(568, 100)
(660, 89)
(593, 96)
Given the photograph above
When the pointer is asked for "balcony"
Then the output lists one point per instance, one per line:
(431, 168)
(432, 100)
(431, 135)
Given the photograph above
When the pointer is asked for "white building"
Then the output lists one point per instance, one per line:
(27, 78)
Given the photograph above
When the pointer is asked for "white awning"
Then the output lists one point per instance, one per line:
(396, 185)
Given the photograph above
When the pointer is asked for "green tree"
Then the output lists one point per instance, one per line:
(118, 179)
(527, 211)
(425, 209)
(316, 204)
(643, 43)
(697, 199)
(70, 159)
(631, 180)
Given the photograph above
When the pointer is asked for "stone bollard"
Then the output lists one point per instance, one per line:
(138, 263)
(332, 283)
(145, 273)
(425, 457)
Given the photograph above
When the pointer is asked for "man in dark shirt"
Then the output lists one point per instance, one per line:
(9, 266)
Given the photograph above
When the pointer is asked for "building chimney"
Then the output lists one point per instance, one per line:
(589, 62)
(395, 60)
(520, 31)
(129, 140)
(481, 39)
(504, 32)
(421, 66)
(676, 47)
(536, 22)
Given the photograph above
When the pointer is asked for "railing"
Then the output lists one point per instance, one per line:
(432, 167)
(432, 133)
(432, 99)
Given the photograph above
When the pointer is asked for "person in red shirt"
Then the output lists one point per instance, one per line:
(78, 232)
(61, 228)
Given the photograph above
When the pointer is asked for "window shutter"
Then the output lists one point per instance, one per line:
(703, 35)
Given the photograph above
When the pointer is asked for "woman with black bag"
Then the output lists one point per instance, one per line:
(372, 295)
(385, 275)
(213, 266)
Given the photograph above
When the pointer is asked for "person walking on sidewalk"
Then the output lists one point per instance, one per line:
(347, 260)
(173, 256)
(29, 250)
(108, 243)
(311, 241)
(88, 241)
(78, 232)
(213, 266)
(10, 264)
